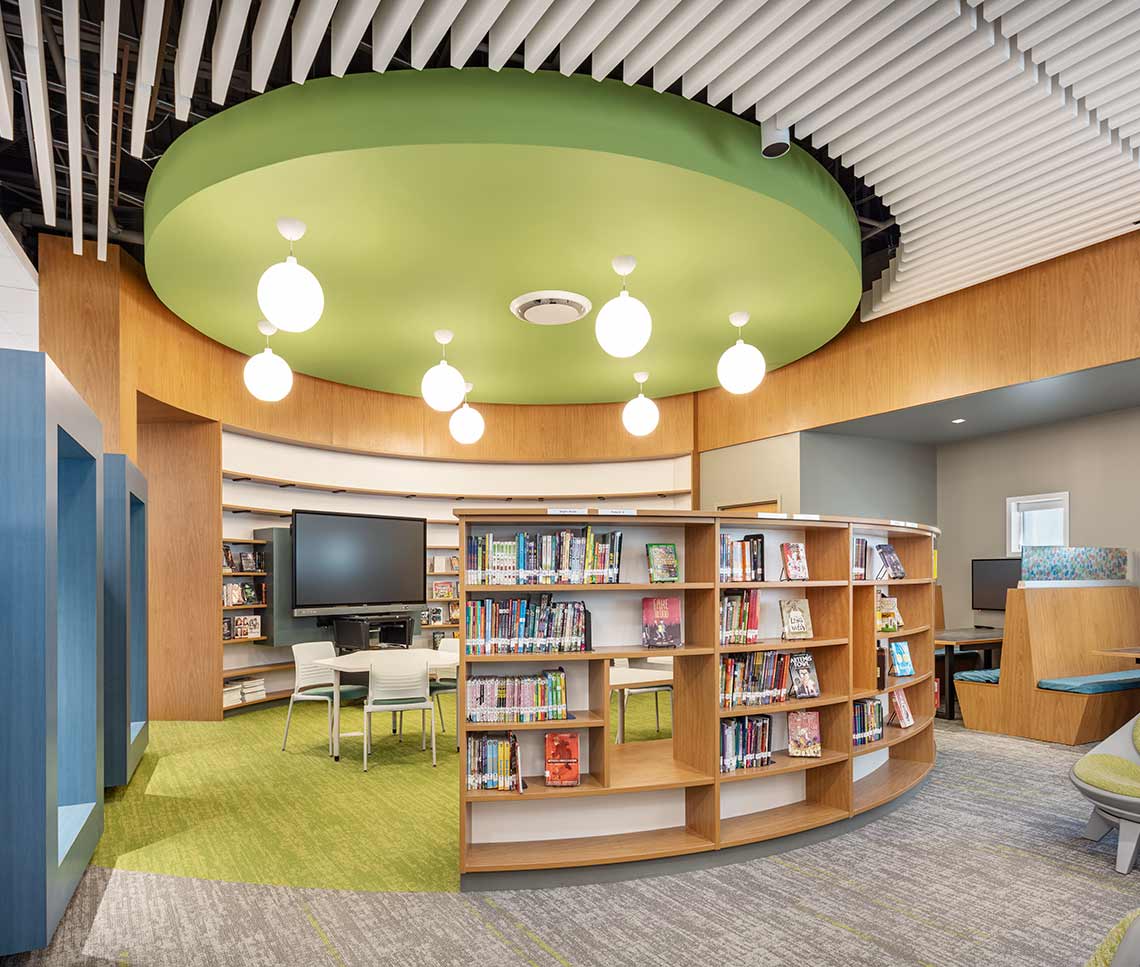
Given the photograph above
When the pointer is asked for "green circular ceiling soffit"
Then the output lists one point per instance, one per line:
(433, 198)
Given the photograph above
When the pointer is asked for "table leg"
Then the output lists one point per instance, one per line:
(393, 723)
(949, 658)
(336, 715)
(621, 716)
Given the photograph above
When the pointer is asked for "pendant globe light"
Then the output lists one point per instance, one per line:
(742, 367)
(623, 325)
(267, 376)
(442, 386)
(289, 294)
(466, 424)
(640, 415)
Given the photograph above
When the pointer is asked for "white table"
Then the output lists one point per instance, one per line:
(362, 661)
(659, 678)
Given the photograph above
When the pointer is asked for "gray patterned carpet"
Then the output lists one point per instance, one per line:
(984, 866)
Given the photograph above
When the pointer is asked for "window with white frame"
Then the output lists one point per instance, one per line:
(1036, 520)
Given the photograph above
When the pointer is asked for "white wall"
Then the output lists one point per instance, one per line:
(1095, 458)
(19, 295)
(753, 472)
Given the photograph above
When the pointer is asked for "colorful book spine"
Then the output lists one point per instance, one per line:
(868, 721)
(740, 617)
(517, 698)
(757, 678)
(745, 743)
(565, 557)
(525, 626)
(493, 762)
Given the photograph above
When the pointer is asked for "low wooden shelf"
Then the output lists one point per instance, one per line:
(243, 574)
(782, 764)
(242, 540)
(269, 697)
(888, 782)
(684, 770)
(244, 641)
(243, 607)
(438, 627)
(256, 669)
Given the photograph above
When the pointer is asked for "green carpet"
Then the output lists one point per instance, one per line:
(221, 801)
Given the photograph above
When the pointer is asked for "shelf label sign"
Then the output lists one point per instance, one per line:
(617, 512)
(771, 515)
(898, 523)
(805, 516)
(563, 511)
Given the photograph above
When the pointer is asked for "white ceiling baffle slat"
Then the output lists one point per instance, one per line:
(595, 25)
(41, 143)
(429, 25)
(552, 26)
(7, 91)
(1093, 28)
(108, 61)
(350, 21)
(268, 32)
(1114, 62)
(628, 34)
(310, 24)
(1025, 15)
(188, 57)
(879, 94)
(472, 24)
(718, 25)
(664, 37)
(227, 40)
(747, 38)
(73, 93)
(1063, 18)
(511, 29)
(145, 71)
(392, 21)
(861, 54)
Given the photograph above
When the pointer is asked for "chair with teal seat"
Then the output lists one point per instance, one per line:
(398, 682)
(443, 685)
(1109, 777)
(314, 683)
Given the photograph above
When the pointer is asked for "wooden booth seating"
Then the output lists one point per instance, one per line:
(1051, 686)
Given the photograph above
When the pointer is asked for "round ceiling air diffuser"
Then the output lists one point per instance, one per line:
(550, 307)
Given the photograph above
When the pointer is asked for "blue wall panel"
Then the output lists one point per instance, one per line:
(124, 619)
(51, 639)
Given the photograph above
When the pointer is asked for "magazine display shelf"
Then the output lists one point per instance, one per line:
(125, 715)
(646, 800)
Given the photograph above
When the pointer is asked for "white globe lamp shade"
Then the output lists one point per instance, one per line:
(442, 387)
(290, 296)
(640, 415)
(268, 377)
(741, 368)
(466, 425)
(623, 326)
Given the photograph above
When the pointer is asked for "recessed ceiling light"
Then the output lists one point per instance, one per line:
(959, 420)
(550, 307)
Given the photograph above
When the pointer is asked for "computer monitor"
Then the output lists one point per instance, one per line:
(991, 577)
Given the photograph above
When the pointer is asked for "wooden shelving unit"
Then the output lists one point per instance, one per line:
(259, 577)
(719, 810)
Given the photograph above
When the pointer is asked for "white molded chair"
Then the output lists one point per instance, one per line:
(314, 683)
(398, 682)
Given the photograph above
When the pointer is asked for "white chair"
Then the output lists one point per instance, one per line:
(314, 683)
(398, 682)
(627, 676)
(447, 646)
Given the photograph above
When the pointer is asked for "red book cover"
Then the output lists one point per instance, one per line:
(562, 759)
(661, 622)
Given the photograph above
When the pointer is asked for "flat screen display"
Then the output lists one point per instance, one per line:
(354, 560)
(991, 578)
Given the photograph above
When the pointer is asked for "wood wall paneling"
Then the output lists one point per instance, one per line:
(182, 464)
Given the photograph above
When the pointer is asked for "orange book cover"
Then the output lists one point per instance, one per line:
(562, 759)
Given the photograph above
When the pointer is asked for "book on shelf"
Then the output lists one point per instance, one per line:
(794, 556)
(517, 698)
(937, 693)
(755, 678)
(745, 743)
(663, 565)
(248, 561)
(882, 665)
(241, 626)
(900, 709)
(901, 664)
(443, 563)
(536, 624)
(661, 622)
(887, 614)
(227, 628)
(444, 589)
(804, 739)
(494, 762)
(432, 615)
(578, 556)
(228, 565)
(436, 638)
(795, 614)
(453, 612)
(859, 551)
(253, 625)
(741, 560)
(740, 617)
(805, 679)
(231, 695)
(868, 721)
(252, 688)
(892, 566)
(562, 759)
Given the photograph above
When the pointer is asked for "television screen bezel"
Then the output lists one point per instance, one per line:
(975, 560)
(348, 606)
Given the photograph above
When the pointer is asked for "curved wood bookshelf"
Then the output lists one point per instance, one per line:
(686, 766)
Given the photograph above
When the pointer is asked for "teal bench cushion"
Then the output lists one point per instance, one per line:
(348, 693)
(1093, 684)
(987, 676)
